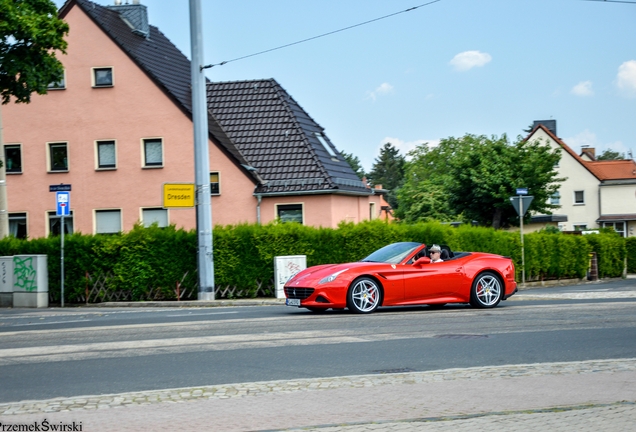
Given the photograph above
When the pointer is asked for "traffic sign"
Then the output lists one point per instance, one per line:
(178, 195)
(525, 200)
(60, 188)
(63, 200)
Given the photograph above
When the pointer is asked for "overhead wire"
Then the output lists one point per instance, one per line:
(321, 35)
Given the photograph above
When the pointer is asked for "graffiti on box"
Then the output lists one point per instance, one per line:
(24, 273)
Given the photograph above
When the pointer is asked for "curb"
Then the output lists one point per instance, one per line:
(191, 303)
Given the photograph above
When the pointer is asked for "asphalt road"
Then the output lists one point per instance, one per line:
(80, 351)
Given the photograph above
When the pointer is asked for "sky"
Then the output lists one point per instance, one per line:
(446, 69)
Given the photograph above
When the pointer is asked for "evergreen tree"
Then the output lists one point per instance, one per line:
(388, 171)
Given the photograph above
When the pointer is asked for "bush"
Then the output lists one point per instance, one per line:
(149, 262)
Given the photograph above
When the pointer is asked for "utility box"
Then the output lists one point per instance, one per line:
(30, 281)
(284, 268)
(6, 281)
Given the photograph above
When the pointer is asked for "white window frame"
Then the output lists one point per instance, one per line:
(143, 219)
(19, 146)
(218, 173)
(144, 163)
(68, 222)
(49, 159)
(58, 85)
(372, 214)
(94, 77)
(98, 166)
(579, 227)
(574, 197)
(330, 150)
(613, 224)
(14, 217)
(107, 210)
(555, 199)
(302, 209)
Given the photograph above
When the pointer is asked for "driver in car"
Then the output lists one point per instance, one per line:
(436, 253)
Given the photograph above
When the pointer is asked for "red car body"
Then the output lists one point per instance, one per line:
(405, 277)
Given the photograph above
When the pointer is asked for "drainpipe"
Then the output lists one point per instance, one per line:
(258, 209)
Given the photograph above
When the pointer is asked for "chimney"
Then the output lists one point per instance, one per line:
(550, 124)
(135, 15)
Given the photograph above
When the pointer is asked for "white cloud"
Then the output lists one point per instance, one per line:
(382, 89)
(584, 88)
(626, 78)
(470, 59)
(588, 138)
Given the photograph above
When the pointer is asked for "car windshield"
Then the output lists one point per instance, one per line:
(393, 253)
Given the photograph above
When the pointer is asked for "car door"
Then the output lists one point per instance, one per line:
(432, 281)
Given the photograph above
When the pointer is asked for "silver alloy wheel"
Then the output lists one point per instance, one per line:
(365, 295)
(488, 289)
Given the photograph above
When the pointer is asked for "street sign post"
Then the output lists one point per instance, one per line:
(521, 203)
(63, 208)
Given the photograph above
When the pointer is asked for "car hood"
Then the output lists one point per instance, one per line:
(314, 274)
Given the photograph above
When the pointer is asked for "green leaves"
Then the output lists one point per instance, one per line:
(30, 35)
(473, 177)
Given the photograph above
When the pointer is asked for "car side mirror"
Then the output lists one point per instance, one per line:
(421, 261)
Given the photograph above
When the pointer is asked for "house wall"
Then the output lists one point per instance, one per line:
(326, 210)
(618, 199)
(134, 108)
(578, 178)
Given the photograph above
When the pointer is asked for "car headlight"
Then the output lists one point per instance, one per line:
(331, 277)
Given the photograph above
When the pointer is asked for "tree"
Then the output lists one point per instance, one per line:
(611, 155)
(479, 175)
(388, 171)
(354, 161)
(30, 35)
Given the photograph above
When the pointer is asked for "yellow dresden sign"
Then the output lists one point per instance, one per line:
(178, 195)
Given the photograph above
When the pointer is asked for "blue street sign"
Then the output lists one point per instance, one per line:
(60, 187)
(522, 191)
(63, 201)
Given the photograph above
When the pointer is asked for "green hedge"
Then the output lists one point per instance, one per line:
(149, 262)
(630, 245)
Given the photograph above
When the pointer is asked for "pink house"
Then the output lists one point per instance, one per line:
(119, 126)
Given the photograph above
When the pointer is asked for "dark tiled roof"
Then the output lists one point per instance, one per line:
(279, 138)
(256, 123)
(159, 59)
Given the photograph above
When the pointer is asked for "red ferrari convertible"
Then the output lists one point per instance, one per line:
(402, 274)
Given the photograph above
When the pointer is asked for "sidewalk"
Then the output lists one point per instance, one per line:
(589, 395)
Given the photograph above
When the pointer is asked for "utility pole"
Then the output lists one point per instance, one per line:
(205, 259)
(4, 207)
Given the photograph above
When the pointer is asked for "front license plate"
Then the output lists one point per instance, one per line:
(292, 302)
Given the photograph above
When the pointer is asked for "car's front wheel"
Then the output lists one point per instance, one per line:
(364, 295)
(486, 291)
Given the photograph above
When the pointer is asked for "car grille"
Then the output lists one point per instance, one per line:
(298, 293)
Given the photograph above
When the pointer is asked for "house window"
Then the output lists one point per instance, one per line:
(619, 227)
(290, 212)
(103, 77)
(579, 197)
(327, 146)
(58, 85)
(153, 152)
(215, 184)
(18, 225)
(107, 221)
(106, 155)
(580, 227)
(152, 215)
(58, 157)
(555, 199)
(372, 214)
(55, 223)
(13, 158)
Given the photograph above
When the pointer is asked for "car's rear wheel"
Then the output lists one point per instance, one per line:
(364, 295)
(486, 291)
